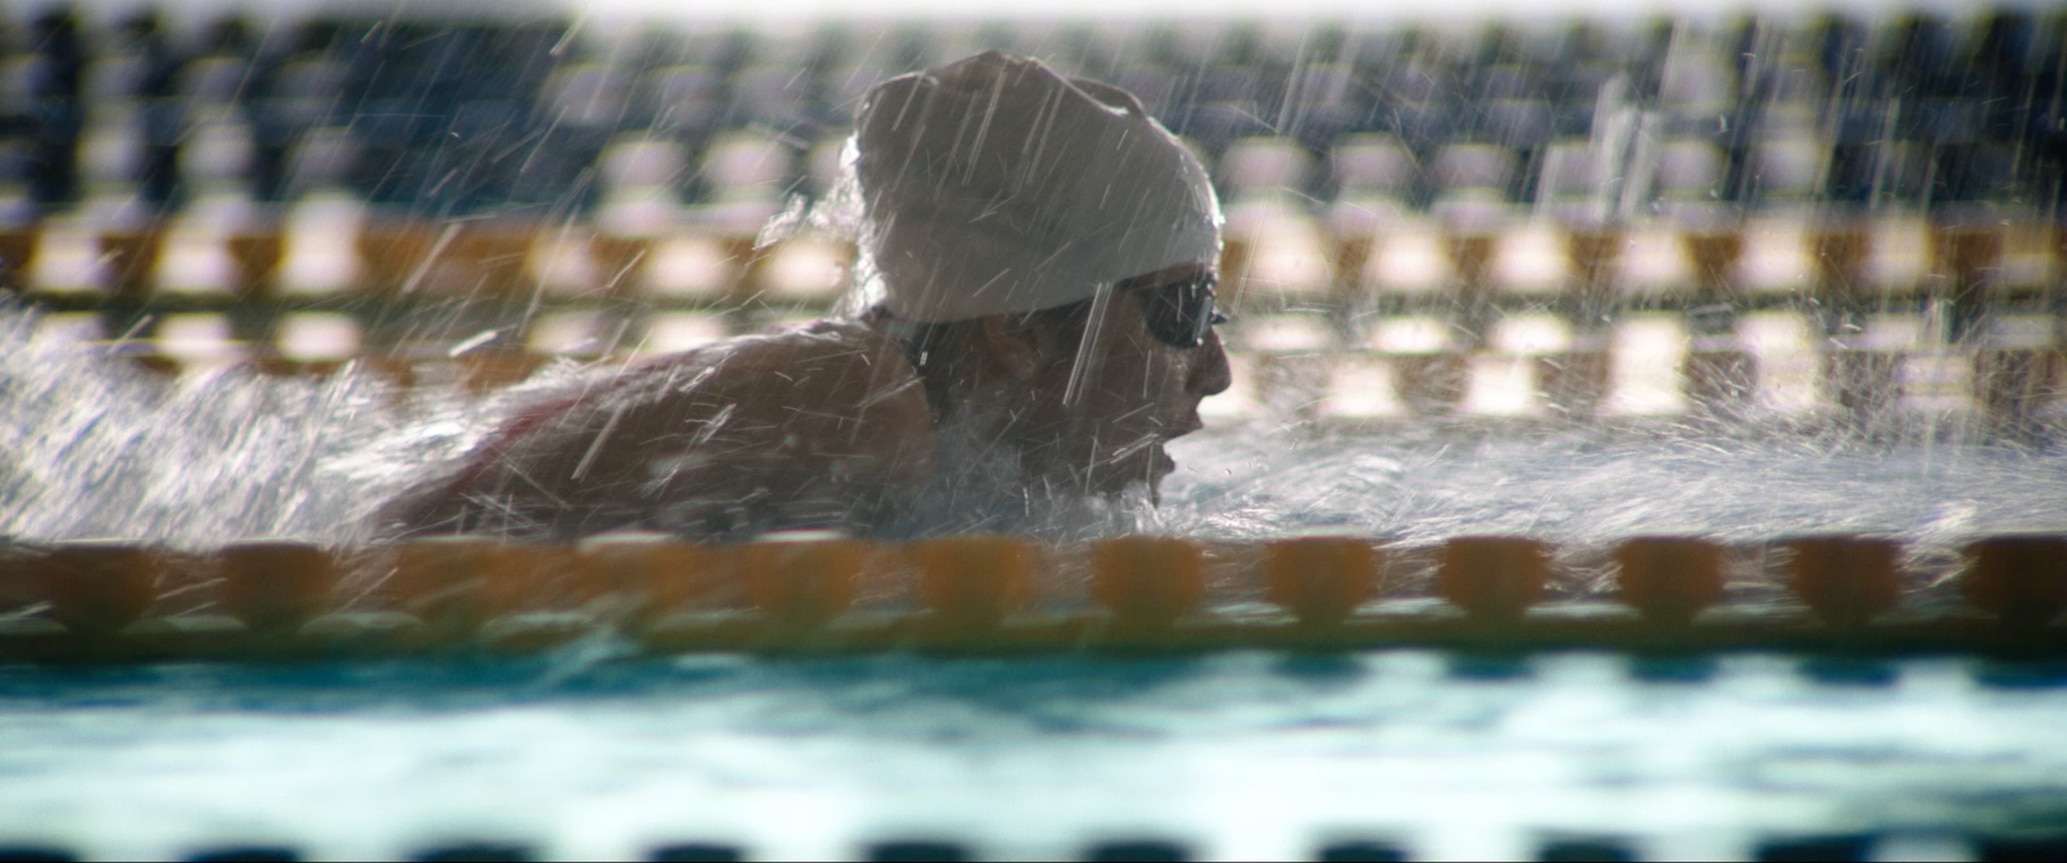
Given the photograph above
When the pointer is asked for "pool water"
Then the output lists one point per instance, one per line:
(590, 753)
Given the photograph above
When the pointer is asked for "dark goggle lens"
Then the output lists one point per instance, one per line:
(1181, 315)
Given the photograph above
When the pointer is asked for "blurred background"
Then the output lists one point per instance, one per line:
(1583, 269)
(312, 181)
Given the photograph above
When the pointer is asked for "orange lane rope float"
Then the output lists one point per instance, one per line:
(107, 600)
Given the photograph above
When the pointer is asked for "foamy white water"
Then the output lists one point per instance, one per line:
(94, 446)
(91, 446)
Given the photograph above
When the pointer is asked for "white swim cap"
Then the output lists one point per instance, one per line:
(994, 185)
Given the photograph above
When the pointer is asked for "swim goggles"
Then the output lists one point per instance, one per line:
(1181, 314)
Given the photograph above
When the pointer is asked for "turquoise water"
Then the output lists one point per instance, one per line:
(1232, 755)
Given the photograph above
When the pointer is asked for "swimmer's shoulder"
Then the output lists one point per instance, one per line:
(831, 364)
(825, 418)
(831, 388)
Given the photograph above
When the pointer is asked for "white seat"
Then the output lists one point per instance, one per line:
(215, 80)
(746, 164)
(1253, 165)
(1473, 166)
(218, 150)
(1372, 163)
(1688, 168)
(1570, 186)
(669, 332)
(317, 336)
(586, 95)
(641, 161)
(1789, 168)
(1697, 81)
(111, 149)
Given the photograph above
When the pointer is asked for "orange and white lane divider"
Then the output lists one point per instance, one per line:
(116, 600)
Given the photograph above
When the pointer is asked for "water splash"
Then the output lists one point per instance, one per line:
(1595, 485)
(92, 445)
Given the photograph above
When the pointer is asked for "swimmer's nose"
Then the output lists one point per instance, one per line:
(1210, 376)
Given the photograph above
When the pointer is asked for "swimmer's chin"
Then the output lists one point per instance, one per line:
(1145, 467)
(1164, 466)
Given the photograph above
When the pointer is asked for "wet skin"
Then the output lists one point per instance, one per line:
(820, 427)
(827, 427)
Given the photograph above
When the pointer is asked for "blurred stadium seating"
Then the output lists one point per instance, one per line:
(1770, 195)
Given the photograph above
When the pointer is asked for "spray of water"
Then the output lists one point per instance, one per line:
(94, 446)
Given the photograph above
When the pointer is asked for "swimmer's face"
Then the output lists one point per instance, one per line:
(1151, 357)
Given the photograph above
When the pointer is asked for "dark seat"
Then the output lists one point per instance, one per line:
(1509, 82)
(1980, 172)
(1877, 173)
(1156, 88)
(776, 98)
(1323, 102)
(587, 95)
(1516, 124)
(682, 98)
(1941, 121)
(319, 157)
(1214, 125)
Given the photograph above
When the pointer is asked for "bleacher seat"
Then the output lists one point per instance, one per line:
(680, 98)
(215, 79)
(586, 96)
(1570, 185)
(1156, 88)
(111, 148)
(775, 97)
(17, 164)
(321, 157)
(217, 153)
(1372, 164)
(1267, 164)
(307, 90)
(1473, 166)
(1516, 123)
(1697, 83)
(1688, 174)
(1323, 102)
(1473, 184)
(1785, 170)
(1214, 125)
(744, 164)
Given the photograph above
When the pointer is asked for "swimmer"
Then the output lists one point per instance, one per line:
(1038, 260)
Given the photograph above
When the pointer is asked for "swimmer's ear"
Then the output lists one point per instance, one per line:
(1013, 346)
